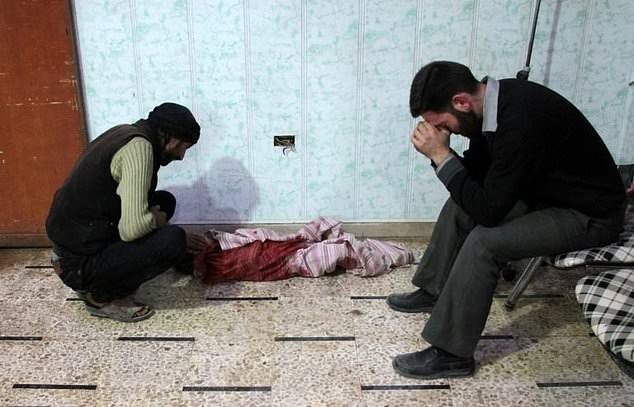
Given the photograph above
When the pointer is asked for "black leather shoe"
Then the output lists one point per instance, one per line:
(417, 301)
(433, 363)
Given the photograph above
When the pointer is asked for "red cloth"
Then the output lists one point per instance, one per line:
(256, 261)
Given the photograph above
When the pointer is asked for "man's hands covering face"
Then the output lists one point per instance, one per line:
(431, 141)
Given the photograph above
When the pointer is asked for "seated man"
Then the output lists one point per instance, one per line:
(107, 222)
(536, 180)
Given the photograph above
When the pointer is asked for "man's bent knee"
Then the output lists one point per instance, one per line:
(171, 239)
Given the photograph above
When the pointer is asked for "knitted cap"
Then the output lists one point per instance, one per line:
(176, 120)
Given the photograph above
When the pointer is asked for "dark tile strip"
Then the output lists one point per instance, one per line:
(157, 338)
(532, 295)
(27, 406)
(241, 298)
(227, 388)
(544, 295)
(20, 338)
(313, 338)
(496, 337)
(368, 297)
(408, 387)
(55, 386)
(580, 384)
(38, 267)
(74, 299)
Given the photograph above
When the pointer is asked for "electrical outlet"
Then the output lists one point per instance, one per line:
(284, 140)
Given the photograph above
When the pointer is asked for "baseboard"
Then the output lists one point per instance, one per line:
(383, 230)
(24, 240)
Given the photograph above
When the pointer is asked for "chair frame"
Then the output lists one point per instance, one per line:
(522, 282)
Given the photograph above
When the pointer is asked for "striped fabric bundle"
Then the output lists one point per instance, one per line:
(318, 248)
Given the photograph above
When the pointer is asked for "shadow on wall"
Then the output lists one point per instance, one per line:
(227, 193)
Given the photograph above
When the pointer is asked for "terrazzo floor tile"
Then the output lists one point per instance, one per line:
(408, 398)
(69, 319)
(228, 361)
(496, 358)
(566, 359)
(374, 319)
(494, 395)
(54, 362)
(572, 396)
(332, 285)
(229, 398)
(30, 284)
(611, 396)
(200, 318)
(169, 287)
(42, 256)
(146, 396)
(315, 374)
(546, 317)
(374, 361)
(27, 318)
(309, 316)
(51, 398)
(18, 258)
(239, 289)
(146, 363)
(152, 396)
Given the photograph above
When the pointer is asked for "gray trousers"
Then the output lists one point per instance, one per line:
(462, 263)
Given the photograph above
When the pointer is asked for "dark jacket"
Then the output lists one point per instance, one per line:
(544, 152)
(85, 212)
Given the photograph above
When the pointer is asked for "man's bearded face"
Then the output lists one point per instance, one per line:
(468, 123)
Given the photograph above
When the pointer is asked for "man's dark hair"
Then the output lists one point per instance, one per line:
(436, 83)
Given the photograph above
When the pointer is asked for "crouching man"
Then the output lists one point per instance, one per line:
(109, 225)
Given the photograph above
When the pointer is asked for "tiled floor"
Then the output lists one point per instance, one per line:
(298, 342)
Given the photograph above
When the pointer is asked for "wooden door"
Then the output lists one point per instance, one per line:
(41, 119)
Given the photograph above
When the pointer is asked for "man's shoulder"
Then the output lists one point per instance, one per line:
(121, 135)
(140, 141)
(125, 130)
(519, 90)
(137, 146)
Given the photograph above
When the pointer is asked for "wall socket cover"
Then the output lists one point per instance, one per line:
(284, 140)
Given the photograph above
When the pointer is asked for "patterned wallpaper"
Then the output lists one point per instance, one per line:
(335, 74)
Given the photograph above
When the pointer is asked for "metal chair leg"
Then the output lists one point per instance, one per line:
(522, 281)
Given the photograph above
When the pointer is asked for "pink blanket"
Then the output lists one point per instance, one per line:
(318, 248)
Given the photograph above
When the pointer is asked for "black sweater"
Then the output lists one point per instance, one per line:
(543, 152)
